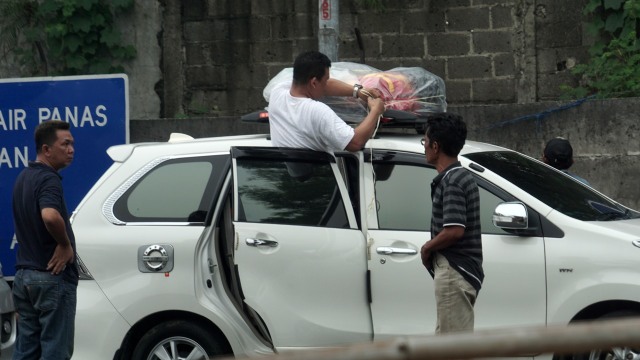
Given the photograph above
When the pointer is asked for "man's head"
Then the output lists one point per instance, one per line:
(558, 153)
(311, 69)
(54, 143)
(446, 134)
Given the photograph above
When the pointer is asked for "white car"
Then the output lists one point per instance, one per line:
(230, 246)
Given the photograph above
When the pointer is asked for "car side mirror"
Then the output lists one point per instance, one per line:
(511, 215)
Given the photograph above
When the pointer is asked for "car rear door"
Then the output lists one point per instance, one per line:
(299, 255)
(403, 300)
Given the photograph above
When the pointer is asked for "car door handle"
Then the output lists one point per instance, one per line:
(386, 250)
(261, 242)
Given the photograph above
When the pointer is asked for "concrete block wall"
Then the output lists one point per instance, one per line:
(562, 41)
(206, 58)
(487, 51)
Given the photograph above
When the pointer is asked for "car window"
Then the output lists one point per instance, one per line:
(289, 192)
(403, 196)
(177, 190)
(557, 190)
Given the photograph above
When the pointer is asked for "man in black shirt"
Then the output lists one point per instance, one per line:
(453, 255)
(44, 287)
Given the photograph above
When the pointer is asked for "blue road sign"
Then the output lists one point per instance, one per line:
(97, 108)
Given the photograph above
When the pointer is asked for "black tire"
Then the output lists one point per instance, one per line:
(619, 353)
(177, 340)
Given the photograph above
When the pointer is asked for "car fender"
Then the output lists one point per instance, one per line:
(621, 286)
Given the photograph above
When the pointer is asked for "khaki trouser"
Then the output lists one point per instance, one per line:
(455, 298)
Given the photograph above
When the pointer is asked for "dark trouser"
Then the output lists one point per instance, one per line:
(46, 306)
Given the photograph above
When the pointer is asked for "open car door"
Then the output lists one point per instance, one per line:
(299, 255)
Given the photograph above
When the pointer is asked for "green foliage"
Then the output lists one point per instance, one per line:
(65, 37)
(614, 67)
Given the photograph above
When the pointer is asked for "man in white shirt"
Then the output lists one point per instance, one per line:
(297, 119)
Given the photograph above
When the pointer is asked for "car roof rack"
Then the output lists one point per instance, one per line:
(391, 119)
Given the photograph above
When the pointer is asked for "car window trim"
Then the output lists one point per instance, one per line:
(109, 205)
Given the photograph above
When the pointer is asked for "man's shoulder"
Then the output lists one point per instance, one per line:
(279, 91)
(282, 86)
(460, 177)
(37, 171)
(457, 174)
(45, 177)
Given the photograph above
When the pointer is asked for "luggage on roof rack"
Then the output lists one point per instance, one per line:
(411, 89)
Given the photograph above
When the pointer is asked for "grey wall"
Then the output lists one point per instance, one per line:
(207, 58)
(487, 51)
(604, 135)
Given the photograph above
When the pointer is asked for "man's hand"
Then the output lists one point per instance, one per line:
(376, 106)
(425, 254)
(366, 128)
(62, 256)
(363, 94)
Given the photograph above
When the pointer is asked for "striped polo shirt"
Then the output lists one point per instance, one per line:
(456, 202)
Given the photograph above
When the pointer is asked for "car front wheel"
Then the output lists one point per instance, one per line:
(177, 340)
(617, 353)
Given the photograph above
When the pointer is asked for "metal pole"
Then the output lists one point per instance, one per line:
(525, 341)
(329, 21)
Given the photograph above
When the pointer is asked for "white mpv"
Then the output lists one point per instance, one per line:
(197, 248)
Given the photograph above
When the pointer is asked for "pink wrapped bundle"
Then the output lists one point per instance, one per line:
(397, 92)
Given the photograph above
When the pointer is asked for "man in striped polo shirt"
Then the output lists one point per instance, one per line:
(453, 255)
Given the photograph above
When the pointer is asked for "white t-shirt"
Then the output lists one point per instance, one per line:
(305, 123)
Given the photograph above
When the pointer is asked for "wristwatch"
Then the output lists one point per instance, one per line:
(356, 88)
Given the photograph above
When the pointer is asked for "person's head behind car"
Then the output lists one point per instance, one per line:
(558, 153)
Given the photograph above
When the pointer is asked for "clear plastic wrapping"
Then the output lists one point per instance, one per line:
(412, 89)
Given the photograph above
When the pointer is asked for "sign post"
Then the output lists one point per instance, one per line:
(329, 21)
(97, 109)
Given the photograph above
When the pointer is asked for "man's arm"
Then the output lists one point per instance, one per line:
(364, 130)
(445, 238)
(63, 253)
(337, 87)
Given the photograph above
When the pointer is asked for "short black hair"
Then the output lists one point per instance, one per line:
(46, 133)
(448, 130)
(559, 153)
(309, 65)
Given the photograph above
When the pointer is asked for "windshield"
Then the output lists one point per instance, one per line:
(552, 187)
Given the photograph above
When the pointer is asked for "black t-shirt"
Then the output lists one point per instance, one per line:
(38, 187)
(456, 202)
